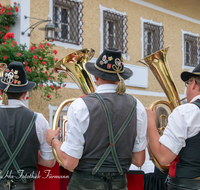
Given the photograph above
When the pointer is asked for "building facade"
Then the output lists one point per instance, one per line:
(137, 27)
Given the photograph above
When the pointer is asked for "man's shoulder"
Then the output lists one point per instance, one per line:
(186, 108)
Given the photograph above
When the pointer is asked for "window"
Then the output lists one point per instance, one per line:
(191, 50)
(153, 38)
(67, 16)
(114, 30)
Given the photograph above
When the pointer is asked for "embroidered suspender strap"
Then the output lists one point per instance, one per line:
(197, 102)
(12, 156)
(111, 136)
(112, 144)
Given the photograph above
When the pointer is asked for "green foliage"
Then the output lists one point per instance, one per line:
(38, 62)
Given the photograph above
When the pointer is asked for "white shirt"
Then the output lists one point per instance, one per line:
(41, 126)
(78, 123)
(183, 123)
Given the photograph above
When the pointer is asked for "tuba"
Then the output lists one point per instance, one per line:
(157, 62)
(74, 65)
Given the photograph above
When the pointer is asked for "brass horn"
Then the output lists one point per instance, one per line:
(157, 62)
(74, 65)
(3, 66)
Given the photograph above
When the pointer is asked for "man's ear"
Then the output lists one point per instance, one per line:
(96, 78)
(24, 95)
(194, 84)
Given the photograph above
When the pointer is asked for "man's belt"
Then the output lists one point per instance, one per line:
(183, 183)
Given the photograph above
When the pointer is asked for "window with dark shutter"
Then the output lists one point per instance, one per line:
(191, 50)
(68, 17)
(153, 38)
(114, 28)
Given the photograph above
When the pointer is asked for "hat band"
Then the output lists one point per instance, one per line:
(196, 73)
(10, 84)
(15, 84)
(104, 70)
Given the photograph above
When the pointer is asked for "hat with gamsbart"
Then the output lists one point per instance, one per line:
(14, 80)
(110, 66)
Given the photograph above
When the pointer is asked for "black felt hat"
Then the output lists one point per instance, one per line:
(109, 66)
(186, 75)
(14, 79)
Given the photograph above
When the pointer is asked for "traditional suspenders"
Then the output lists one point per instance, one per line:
(113, 139)
(197, 102)
(12, 156)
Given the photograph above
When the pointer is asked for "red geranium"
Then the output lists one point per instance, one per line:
(9, 35)
(14, 42)
(16, 9)
(55, 51)
(48, 44)
(32, 48)
(41, 46)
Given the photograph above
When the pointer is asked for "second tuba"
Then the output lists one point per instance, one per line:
(74, 65)
(157, 62)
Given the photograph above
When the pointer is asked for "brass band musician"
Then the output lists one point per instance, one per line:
(180, 143)
(106, 130)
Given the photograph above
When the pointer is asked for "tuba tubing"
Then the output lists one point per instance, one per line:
(74, 65)
(157, 62)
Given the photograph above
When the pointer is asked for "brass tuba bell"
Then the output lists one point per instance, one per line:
(74, 65)
(157, 62)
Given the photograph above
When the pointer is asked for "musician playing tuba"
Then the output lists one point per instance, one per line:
(106, 130)
(180, 143)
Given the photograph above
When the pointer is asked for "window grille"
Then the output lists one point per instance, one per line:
(114, 28)
(191, 50)
(199, 49)
(68, 17)
(153, 38)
